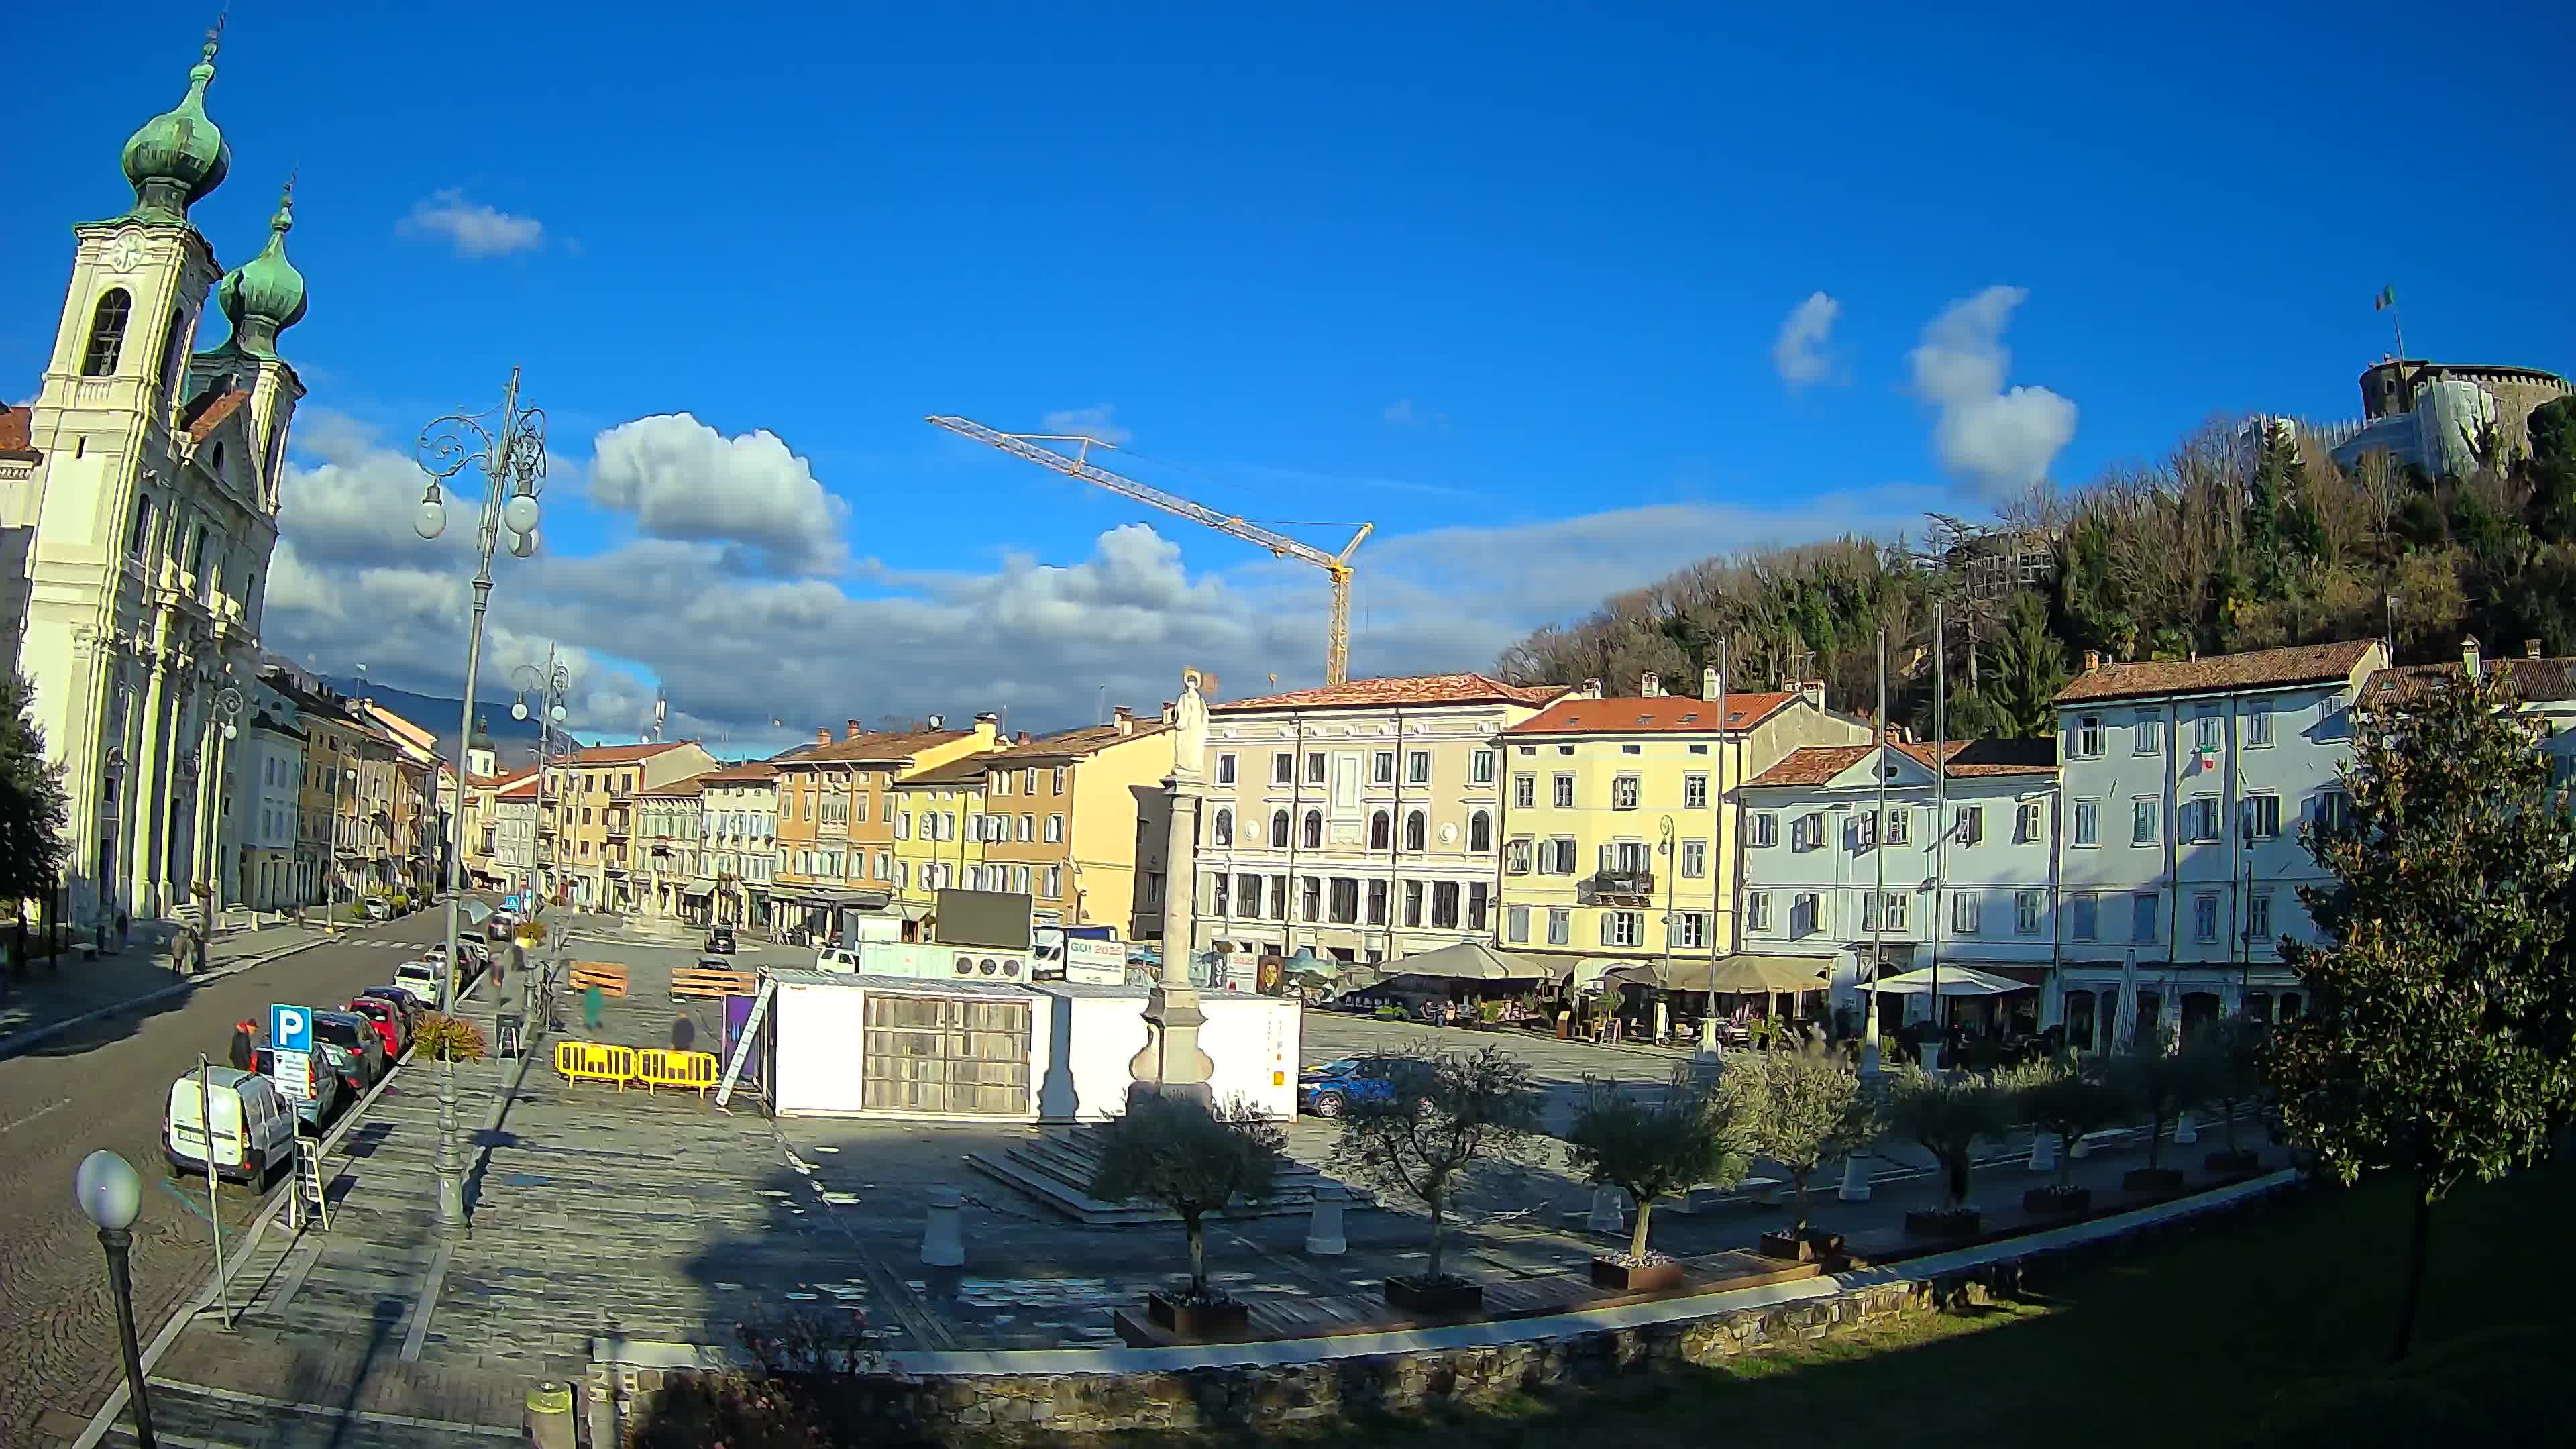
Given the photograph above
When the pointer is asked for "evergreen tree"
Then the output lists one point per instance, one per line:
(2550, 469)
(2016, 693)
(2443, 1039)
(32, 804)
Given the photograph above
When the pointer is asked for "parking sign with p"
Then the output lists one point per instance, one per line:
(290, 1028)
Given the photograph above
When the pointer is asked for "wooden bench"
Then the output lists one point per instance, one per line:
(711, 981)
(608, 976)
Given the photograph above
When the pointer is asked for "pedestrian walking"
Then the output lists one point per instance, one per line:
(590, 999)
(245, 1037)
(121, 928)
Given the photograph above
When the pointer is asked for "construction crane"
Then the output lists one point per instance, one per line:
(1337, 567)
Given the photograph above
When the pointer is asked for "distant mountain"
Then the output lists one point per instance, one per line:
(514, 740)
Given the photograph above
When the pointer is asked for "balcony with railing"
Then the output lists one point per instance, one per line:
(1616, 887)
(619, 824)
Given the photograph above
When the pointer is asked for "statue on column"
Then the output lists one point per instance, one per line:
(1172, 1061)
(1189, 729)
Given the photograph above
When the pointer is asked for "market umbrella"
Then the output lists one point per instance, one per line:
(1747, 975)
(1955, 981)
(1469, 961)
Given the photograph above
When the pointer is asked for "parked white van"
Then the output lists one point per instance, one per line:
(254, 1125)
(426, 981)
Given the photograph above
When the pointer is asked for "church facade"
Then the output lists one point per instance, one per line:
(146, 492)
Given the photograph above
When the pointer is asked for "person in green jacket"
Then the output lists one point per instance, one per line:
(590, 999)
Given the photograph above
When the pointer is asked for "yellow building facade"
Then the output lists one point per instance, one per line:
(938, 833)
(1620, 825)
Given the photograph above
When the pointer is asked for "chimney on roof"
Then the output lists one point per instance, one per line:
(2530, 648)
(2092, 660)
(822, 736)
(1168, 716)
(1124, 718)
(1591, 690)
(2469, 656)
(987, 725)
(854, 730)
(1813, 691)
(1650, 685)
(1021, 738)
(1709, 684)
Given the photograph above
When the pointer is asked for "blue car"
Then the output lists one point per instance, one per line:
(1325, 1090)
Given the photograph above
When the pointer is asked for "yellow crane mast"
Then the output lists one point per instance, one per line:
(1337, 567)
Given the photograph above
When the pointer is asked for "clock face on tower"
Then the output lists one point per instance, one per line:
(127, 253)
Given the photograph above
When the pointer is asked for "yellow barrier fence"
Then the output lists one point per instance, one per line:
(695, 1071)
(578, 1061)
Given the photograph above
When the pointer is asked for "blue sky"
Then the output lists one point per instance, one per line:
(1510, 281)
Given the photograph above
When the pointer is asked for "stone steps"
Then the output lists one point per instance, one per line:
(1056, 1170)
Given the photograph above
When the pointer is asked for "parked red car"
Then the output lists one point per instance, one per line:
(388, 1021)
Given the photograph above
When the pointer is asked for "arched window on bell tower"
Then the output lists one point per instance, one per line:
(174, 355)
(106, 333)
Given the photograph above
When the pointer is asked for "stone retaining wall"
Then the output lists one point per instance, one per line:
(918, 1407)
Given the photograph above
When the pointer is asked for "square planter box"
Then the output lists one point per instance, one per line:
(1449, 1297)
(2233, 1164)
(1944, 1223)
(2049, 1200)
(1808, 1249)
(1649, 1278)
(1210, 1321)
(2152, 1179)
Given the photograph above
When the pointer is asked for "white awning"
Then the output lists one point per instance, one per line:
(1955, 981)
(1468, 961)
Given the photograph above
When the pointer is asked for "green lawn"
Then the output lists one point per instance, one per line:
(2269, 1332)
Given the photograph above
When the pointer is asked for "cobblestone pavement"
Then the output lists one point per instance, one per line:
(104, 1084)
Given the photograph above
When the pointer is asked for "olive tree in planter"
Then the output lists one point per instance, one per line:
(1443, 1121)
(1179, 1153)
(1949, 1116)
(1649, 1148)
(2231, 1062)
(2160, 1083)
(2063, 1099)
(1805, 1110)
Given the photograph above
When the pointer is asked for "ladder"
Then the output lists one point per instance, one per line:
(310, 1203)
(750, 1034)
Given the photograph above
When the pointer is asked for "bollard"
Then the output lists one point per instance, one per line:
(1856, 1178)
(2043, 1152)
(2186, 1131)
(1609, 1210)
(1324, 1232)
(942, 1244)
(550, 1414)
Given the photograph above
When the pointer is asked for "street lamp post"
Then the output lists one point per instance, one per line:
(508, 447)
(111, 1197)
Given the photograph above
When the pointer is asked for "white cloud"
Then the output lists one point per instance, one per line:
(1089, 422)
(1803, 353)
(2002, 440)
(473, 228)
(1039, 639)
(1400, 412)
(684, 480)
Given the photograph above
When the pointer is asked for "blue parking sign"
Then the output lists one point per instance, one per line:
(290, 1028)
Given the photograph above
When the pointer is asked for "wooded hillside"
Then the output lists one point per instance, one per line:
(2237, 540)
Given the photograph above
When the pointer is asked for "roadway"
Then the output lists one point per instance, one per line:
(104, 1084)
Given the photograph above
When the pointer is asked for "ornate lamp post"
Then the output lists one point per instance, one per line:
(507, 446)
(549, 684)
(111, 1197)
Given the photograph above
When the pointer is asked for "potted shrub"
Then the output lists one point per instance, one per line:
(1650, 1148)
(1805, 1110)
(1185, 1155)
(2064, 1099)
(1443, 1121)
(2163, 1084)
(1949, 1117)
(2231, 1056)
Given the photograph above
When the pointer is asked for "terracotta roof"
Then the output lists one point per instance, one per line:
(880, 747)
(1400, 690)
(2262, 669)
(619, 754)
(14, 437)
(1069, 745)
(690, 786)
(206, 415)
(1964, 759)
(525, 785)
(1658, 714)
(2535, 679)
(749, 772)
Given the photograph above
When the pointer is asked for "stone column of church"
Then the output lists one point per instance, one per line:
(148, 789)
(95, 655)
(1172, 1062)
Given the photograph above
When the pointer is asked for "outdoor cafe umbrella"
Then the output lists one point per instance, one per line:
(1746, 975)
(1955, 981)
(1468, 961)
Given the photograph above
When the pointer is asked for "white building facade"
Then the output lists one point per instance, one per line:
(1286, 853)
(154, 511)
(514, 834)
(739, 839)
(267, 792)
(2186, 785)
(1959, 871)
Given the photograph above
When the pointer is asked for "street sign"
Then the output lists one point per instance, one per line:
(292, 1072)
(290, 1028)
